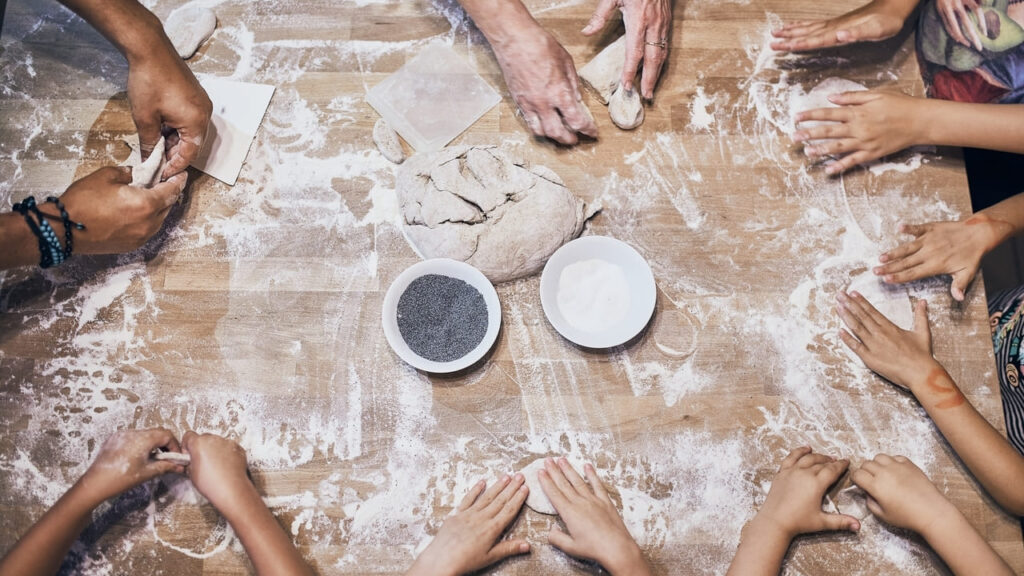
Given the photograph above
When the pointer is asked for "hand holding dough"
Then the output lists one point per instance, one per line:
(626, 108)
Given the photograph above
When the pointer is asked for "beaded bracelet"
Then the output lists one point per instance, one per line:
(50, 251)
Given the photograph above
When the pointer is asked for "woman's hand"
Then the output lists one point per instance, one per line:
(647, 38)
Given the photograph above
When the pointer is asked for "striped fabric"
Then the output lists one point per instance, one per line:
(1005, 317)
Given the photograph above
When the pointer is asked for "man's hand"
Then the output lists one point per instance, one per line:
(647, 36)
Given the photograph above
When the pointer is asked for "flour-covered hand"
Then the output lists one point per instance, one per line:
(470, 539)
(647, 38)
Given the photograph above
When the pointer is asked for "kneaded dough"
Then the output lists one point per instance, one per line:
(818, 97)
(147, 174)
(387, 141)
(537, 500)
(852, 501)
(889, 299)
(604, 72)
(626, 108)
(481, 205)
(188, 27)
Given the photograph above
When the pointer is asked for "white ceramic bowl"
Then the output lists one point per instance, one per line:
(640, 280)
(452, 269)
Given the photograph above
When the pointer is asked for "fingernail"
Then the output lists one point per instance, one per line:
(505, 479)
(831, 170)
(519, 477)
(524, 547)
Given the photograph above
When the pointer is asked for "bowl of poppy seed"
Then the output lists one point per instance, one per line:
(441, 315)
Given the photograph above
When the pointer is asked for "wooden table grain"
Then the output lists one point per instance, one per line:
(255, 313)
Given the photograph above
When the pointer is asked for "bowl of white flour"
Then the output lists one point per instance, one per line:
(598, 292)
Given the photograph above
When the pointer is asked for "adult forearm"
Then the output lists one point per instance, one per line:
(18, 247)
(989, 126)
(269, 548)
(499, 20)
(127, 24)
(962, 548)
(42, 549)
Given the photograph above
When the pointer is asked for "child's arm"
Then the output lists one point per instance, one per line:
(470, 539)
(218, 471)
(874, 123)
(793, 507)
(122, 463)
(876, 20)
(953, 248)
(900, 494)
(596, 531)
(904, 358)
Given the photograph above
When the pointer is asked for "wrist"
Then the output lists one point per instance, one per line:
(627, 562)
(242, 497)
(919, 373)
(768, 528)
(926, 123)
(20, 246)
(944, 516)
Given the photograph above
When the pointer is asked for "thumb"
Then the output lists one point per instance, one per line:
(563, 542)
(190, 436)
(839, 522)
(921, 327)
(149, 132)
(167, 192)
(961, 280)
(507, 548)
(600, 17)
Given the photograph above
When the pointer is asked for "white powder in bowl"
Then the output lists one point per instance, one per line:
(593, 295)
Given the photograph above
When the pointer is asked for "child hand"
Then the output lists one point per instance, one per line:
(955, 21)
(596, 531)
(793, 504)
(868, 125)
(469, 538)
(877, 20)
(124, 462)
(900, 494)
(953, 248)
(218, 469)
(903, 357)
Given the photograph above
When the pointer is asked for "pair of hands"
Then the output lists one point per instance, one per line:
(541, 76)
(871, 124)
(218, 466)
(897, 491)
(469, 539)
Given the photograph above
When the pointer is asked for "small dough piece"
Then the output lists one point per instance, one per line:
(818, 97)
(537, 500)
(147, 174)
(188, 27)
(626, 108)
(387, 141)
(852, 501)
(176, 457)
(604, 72)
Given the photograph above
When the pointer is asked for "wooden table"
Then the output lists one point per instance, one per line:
(255, 313)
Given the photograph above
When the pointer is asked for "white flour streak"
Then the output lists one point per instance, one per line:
(700, 118)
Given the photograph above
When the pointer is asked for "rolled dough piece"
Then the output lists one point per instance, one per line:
(891, 300)
(480, 205)
(537, 500)
(147, 174)
(188, 27)
(604, 72)
(625, 108)
(387, 141)
(176, 457)
(818, 98)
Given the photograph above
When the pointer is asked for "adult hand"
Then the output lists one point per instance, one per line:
(124, 462)
(793, 504)
(166, 98)
(117, 217)
(903, 357)
(900, 494)
(596, 531)
(953, 248)
(647, 35)
(218, 468)
(868, 125)
(955, 20)
(470, 539)
(542, 80)
(877, 20)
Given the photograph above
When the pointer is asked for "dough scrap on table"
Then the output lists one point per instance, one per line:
(625, 108)
(386, 139)
(482, 206)
(146, 174)
(537, 500)
(188, 27)
(604, 72)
